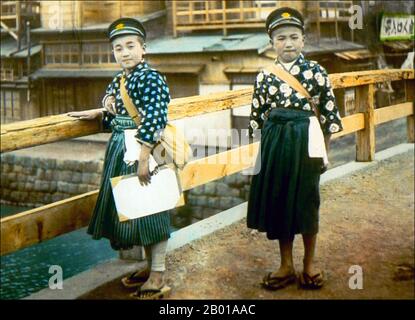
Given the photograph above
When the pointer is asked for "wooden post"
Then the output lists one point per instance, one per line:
(409, 93)
(207, 18)
(241, 10)
(191, 12)
(79, 13)
(18, 25)
(336, 21)
(365, 139)
(318, 22)
(174, 18)
(225, 31)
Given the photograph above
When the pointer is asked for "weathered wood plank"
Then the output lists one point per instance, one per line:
(217, 166)
(44, 130)
(352, 123)
(365, 139)
(46, 222)
(394, 112)
(360, 78)
(197, 105)
(55, 128)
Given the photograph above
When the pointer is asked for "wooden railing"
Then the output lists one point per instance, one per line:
(331, 11)
(6, 74)
(10, 9)
(108, 11)
(230, 14)
(46, 222)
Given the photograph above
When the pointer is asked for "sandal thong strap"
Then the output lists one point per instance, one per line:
(313, 282)
(274, 283)
(144, 294)
(134, 280)
(135, 275)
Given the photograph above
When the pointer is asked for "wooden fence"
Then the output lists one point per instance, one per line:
(49, 221)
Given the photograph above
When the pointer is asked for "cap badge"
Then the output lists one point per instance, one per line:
(119, 26)
(286, 15)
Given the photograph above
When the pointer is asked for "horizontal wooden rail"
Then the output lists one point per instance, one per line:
(352, 123)
(60, 127)
(360, 78)
(49, 221)
(44, 130)
(394, 112)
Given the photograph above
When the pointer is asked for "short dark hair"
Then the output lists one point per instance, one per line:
(273, 31)
(140, 39)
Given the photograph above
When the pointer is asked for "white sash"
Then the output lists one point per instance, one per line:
(316, 145)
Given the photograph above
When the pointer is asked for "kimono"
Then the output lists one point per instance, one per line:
(284, 197)
(150, 94)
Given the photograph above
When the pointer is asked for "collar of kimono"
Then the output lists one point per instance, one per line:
(141, 65)
(298, 61)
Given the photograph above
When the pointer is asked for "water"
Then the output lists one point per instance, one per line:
(27, 271)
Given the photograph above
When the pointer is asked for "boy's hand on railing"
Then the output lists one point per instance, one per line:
(87, 114)
(110, 104)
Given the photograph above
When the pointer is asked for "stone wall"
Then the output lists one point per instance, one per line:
(27, 181)
(211, 198)
(33, 182)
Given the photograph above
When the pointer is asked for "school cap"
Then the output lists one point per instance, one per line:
(284, 17)
(126, 26)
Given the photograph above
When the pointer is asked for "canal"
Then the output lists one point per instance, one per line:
(27, 271)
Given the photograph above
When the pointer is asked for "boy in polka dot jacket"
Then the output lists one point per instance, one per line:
(149, 92)
(271, 92)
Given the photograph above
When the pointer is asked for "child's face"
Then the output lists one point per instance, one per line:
(288, 42)
(128, 51)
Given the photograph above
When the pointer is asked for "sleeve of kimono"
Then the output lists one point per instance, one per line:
(111, 91)
(151, 97)
(258, 105)
(330, 119)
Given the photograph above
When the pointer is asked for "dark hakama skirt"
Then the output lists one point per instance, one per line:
(284, 197)
(105, 222)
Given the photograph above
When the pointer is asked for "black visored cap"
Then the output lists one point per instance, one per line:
(126, 26)
(284, 17)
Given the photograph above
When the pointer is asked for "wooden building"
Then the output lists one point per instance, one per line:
(201, 46)
(19, 57)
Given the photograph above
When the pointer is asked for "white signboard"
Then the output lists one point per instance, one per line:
(397, 27)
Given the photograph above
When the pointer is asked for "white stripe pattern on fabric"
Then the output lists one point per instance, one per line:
(276, 22)
(126, 30)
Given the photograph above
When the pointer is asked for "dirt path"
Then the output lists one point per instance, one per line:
(366, 219)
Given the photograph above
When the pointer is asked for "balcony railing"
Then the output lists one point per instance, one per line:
(11, 9)
(79, 14)
(7, 74)
(240, 14)
(108, 11)
(221, 15)
(331, 11)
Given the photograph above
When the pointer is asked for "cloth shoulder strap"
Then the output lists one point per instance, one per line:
(128, 103)
(293, 83)
(289, 79)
